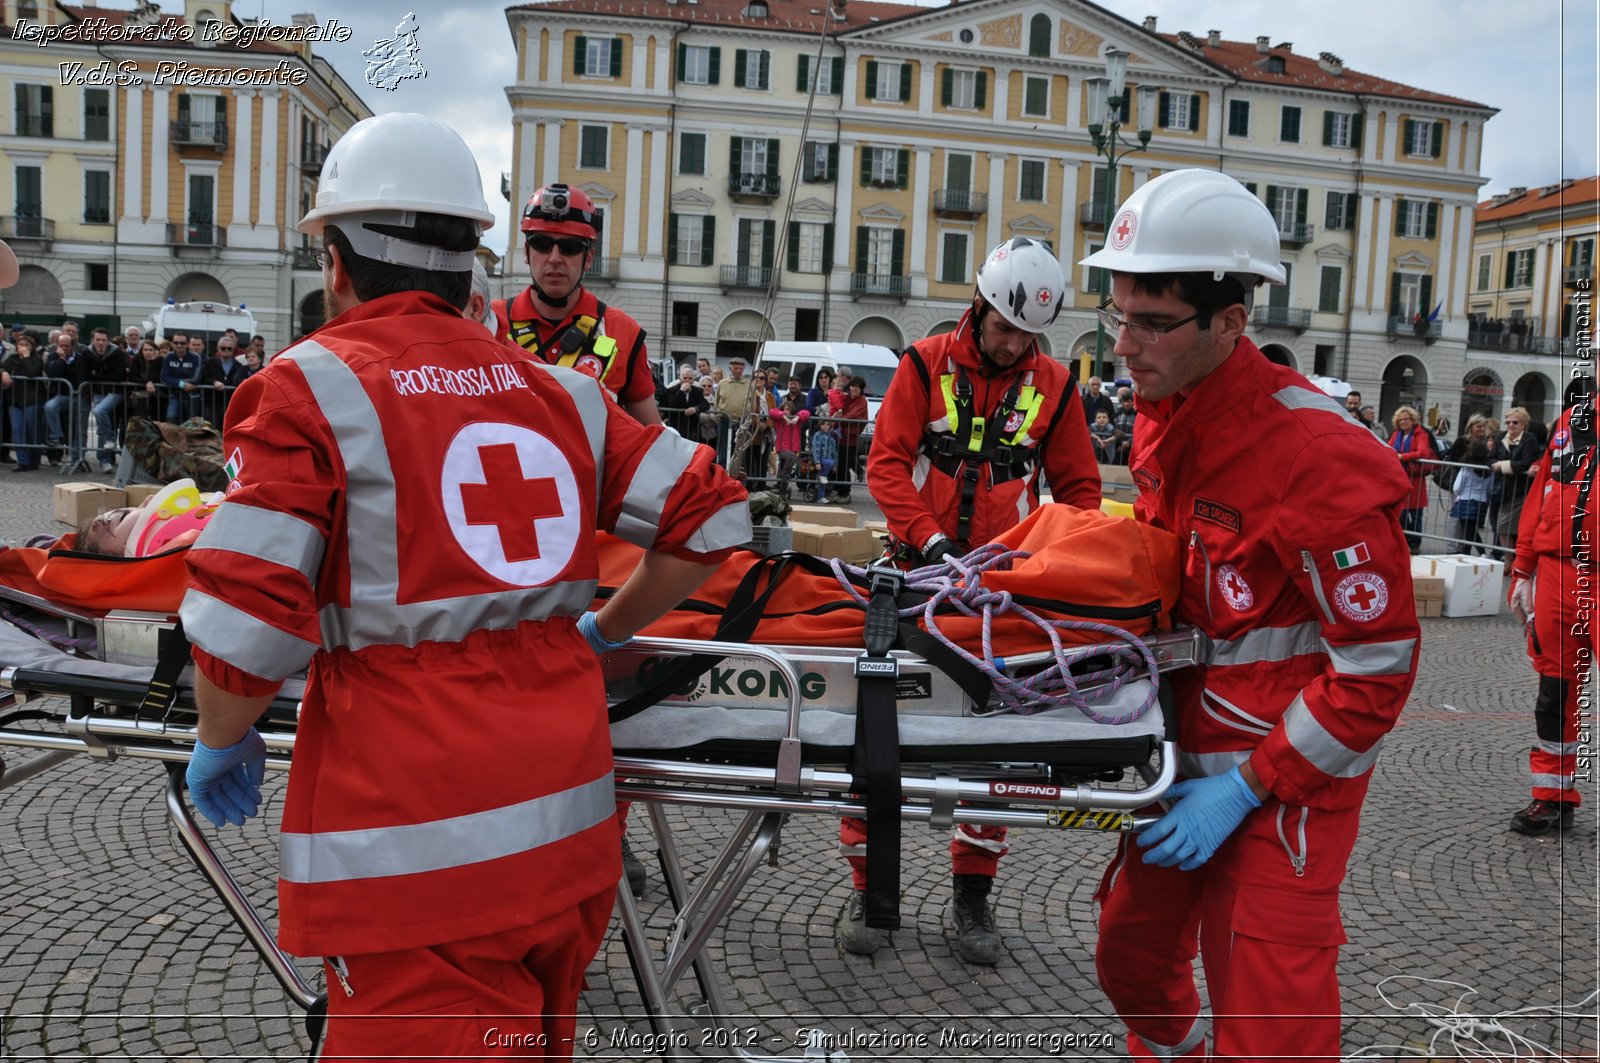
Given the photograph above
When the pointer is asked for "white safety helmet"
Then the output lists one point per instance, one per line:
(384, 171)
(1193, 221)
(1022, 280)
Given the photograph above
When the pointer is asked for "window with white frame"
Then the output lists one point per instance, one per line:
(597, 56)
(817, 161)
(35, 110)
(1340, 212)
(1410, 303)
(1283, 201)
(1413, 218)
(880, 252)
(1519, 268)
(753, 155)
(689, 249)
(1341, 129)
(822, 78)
(888, 83)
(955, 258)
(1036, 97)
(696, 64)
(1419, 138)
(885, 166)
(963, 89)
(753, 68)
(810, 241)
(1030, 183)
(1179, 115)
(1485, 265)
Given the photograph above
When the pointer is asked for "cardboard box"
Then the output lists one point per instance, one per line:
(1115, 474)
(1426, 587)
(830, 516)
(1430, 607)
(850, 544)
(1473, 586)
(139, 492)
(77, 502)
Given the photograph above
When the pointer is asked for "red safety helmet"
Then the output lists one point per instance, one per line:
(560, 208)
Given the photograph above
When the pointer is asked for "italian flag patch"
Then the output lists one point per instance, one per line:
(1351, 556)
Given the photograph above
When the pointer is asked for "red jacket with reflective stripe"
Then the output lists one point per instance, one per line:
(918, 499)
(1545, 528)
(1297, 570)
(414, 515)
(628, 378)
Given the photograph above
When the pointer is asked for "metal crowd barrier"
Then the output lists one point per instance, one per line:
(1439, 533)
(70, 434)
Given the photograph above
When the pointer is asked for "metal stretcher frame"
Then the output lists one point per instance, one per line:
(766, 794)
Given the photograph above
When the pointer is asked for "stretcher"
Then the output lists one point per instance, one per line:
(767, 733)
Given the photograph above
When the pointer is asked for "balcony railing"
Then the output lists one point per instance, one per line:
(1296, 233)
(895, 286)
(212, 134)
(959, 201)
(1402, 327)
(1573, 276)
(1282, 317)
(96, 215)
(1092, 215)
(604, 268)
(754, 184)
(311, 158)
(196, 234)
(305, 258)
(13, 227)
(1517, 334)
(746, 276)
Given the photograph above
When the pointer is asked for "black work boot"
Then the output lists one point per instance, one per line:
(977, 941)
(633, 868)
(1543, 817)
(851, 931)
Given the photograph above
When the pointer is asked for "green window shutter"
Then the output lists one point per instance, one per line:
(1425, 296)
(683, 58)
(861, 248)
(792, 251)
(866, 167)
(1352, 204)
(1355, 131)
(672, 239)
(765, 58)
(1327, 129)
(905, 82)
(1272, 201)
(1400, 209)
(708, 240)
(768, 229)
(897, 254)
(1438, 139)
(980, 95)
(741, 64)
(947, 87)
(1328, 294)
(1394, 294)
(772, 157)
(902, 168)
(1405, 136)
(714, 68)
(616, 57)
(872, 79)
(1433, 221)
(1511, 269)
(1302, 198)
(735, 150)
(827, 246)
(833, 162)
(834, 87)
(1250, 186)
(1164, 110)
(1194, 111)
(183, 104)
(802, 83)
(580, 54)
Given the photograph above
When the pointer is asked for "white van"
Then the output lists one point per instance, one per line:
(805, 359)
(205, 319)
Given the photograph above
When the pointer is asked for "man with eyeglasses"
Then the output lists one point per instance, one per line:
(558, 320)
(218, 377)
(1298, 574)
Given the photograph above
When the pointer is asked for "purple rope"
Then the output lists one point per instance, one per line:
(54, 638)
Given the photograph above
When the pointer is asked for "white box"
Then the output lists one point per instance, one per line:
(1473, 586)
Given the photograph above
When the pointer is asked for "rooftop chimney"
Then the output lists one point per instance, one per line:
(1517, 191)
(1150, 23)
(1287, 46)
(1263, 44)
(1331, 63)
(1214, 38)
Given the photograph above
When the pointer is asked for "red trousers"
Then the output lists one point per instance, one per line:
(1269, 938)
(506, 996)
(973, 850)
(1562, 647)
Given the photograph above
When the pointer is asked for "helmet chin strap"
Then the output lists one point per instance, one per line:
(990, 366)
(550, 300)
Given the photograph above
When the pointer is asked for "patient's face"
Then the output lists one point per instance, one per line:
(108, 533)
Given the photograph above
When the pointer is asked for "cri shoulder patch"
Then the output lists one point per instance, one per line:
(1361, 596)
(1217, 513)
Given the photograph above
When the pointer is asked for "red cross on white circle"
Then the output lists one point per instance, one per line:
(1361, 596)
(1235, 591)
(512, 501)
(1123, 228)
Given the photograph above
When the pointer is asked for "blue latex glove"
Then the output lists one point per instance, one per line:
(1207, 811)
(225, 784)
(597, 642)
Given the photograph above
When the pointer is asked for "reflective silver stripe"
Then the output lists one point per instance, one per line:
(415, 848)
(267, 534)
(654, 478)
(240, 639)
(959, 834)
(1558, 749)
(1298, 398)
(1203, 765)
(451, 619)
(1268, 644)
(1326, 753)
(1373, 658)
(728, 526)
(1196, 1034)
(1546, 781)
(585, 394)
(1241, 721)
(852, 850)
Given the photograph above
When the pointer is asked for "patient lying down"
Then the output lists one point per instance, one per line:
(171, 518)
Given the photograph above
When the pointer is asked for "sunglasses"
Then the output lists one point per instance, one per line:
(571, 246)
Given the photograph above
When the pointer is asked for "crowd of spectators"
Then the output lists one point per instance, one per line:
(52, 386)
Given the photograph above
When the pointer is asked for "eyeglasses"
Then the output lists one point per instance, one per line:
(323, 259)
(1139, 331)
(571, 246)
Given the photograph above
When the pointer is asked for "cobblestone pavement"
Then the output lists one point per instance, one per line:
(112, 946)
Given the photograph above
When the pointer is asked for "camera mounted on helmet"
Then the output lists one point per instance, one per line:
(560, 209)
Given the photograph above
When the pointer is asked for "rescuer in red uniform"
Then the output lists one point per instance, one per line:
(413, 517)
(1298, 574)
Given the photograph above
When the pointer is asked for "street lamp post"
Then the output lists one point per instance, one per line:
(1106, 98)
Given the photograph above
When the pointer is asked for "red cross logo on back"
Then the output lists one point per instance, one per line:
(511, 502)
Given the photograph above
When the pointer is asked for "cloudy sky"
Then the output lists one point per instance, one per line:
(1535, 61)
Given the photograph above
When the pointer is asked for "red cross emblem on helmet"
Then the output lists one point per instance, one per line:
(1123, 228)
